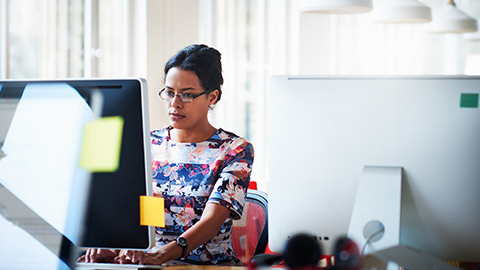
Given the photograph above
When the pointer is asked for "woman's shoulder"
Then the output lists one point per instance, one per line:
(233, 140)
(224, 135)
(159, 134)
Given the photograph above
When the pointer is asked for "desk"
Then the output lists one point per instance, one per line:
(205, 267)
(176, 267)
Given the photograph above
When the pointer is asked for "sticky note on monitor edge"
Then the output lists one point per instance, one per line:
(102, 140)
(469, 100)
(152, 211)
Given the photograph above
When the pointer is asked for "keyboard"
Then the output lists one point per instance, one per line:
(114, 266)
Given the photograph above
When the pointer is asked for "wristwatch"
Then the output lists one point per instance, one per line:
(182, 242)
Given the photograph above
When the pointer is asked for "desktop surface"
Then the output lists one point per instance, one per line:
(169, 267)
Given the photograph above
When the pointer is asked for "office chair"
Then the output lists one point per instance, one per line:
(250, 233)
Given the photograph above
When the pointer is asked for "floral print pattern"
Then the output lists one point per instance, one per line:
(190, 175)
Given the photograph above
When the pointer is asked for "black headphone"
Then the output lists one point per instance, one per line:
(302, 250)
(347, 255)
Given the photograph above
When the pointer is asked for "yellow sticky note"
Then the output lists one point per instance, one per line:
(152, 211)
(102, 140)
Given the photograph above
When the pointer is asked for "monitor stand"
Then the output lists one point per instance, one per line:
(375, 223)
(17, 212)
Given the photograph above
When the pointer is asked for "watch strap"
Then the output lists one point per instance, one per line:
(182, 242)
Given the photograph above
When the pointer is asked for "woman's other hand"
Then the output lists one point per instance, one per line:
(140, 257)
(94, 255)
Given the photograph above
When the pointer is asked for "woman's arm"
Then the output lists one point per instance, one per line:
(205, 229)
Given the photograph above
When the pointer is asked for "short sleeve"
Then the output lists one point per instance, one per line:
(231, 187)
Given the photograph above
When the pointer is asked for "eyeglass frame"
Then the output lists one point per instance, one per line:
(179, 95)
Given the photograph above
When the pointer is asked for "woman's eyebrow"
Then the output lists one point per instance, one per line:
(183, 89)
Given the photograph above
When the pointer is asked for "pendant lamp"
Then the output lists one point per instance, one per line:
(449, 19)
(335, 6)
(401, 11)
(473, 36)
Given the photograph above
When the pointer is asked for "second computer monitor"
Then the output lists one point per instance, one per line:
(324, 131)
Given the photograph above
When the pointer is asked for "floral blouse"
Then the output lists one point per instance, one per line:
(189, 175)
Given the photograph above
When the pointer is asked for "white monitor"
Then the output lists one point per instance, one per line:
(43, 189)
(322, 132)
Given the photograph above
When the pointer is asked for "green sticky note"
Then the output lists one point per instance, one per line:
(102, 140)
(469, 100)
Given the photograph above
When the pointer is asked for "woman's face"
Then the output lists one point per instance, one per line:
(188, 115)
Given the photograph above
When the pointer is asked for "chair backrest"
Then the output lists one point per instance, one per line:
(250, 233)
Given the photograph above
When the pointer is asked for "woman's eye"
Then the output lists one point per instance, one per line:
(170, 94)
(188, 95)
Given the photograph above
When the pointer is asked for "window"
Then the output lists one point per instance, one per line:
(62, 38)
(45, 38)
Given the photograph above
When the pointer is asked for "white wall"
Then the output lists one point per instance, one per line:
(171, 25)
(315, 48)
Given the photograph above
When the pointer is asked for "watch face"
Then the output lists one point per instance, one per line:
(182, 241)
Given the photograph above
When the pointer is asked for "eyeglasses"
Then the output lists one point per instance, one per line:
(169, 95)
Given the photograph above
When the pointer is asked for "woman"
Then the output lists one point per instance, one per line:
(202, 172)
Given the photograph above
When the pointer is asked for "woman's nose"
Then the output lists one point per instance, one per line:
(175, 102)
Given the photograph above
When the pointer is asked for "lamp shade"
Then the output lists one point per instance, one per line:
(335, 6)
(450, 19)
(475, 36)
(401, 11)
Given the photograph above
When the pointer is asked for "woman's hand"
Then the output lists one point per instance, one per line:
(94, 255)
(140, 257)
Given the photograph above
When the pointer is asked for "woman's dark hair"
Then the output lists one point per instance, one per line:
(205, 61)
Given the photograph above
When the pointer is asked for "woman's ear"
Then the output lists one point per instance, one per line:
(213, 96)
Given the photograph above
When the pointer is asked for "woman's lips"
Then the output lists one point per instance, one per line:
(176, 116)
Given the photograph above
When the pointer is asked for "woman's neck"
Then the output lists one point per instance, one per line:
(191, 136)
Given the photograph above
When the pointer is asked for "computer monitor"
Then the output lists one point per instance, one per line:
(46, 191)
(326, 133)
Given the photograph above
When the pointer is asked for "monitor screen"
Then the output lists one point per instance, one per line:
(42, 138)
(322, 132)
